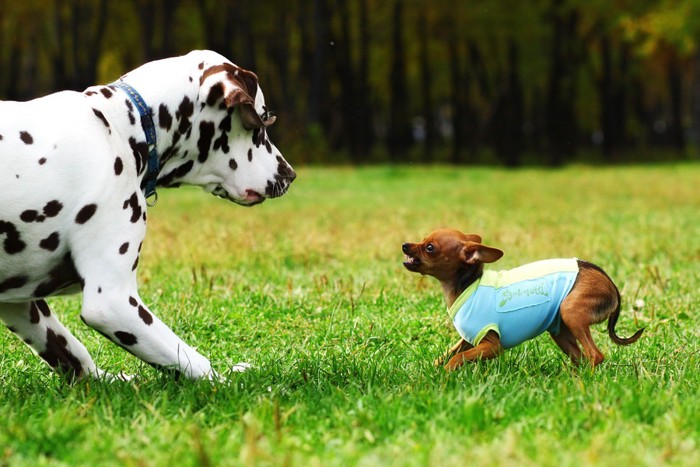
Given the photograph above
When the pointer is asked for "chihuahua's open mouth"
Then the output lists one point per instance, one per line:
(411, 263)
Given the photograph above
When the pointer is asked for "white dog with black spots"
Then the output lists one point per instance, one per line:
(72, 202)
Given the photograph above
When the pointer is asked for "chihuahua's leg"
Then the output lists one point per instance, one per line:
(567, 343)
(460, 346)
(591, 300)
(583, 335)
(489, 347)
(576, 317)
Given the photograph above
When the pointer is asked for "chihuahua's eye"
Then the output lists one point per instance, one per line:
(430, 248)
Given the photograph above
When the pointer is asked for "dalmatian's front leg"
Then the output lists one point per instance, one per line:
(38, 327)
(119, 314)
(107, 260)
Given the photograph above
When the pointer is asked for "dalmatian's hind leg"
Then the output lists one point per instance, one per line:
(38, 327)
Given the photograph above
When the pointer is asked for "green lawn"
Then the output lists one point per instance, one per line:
(310, 289)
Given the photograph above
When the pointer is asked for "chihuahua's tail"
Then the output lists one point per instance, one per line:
(612, 320)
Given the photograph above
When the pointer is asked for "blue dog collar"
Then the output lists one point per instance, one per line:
(148, 184)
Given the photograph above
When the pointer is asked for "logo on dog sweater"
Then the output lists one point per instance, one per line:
(509, 295)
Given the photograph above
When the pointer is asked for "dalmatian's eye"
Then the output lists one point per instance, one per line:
(430, 248)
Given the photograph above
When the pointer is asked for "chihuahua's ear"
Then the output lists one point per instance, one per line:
(473, 253)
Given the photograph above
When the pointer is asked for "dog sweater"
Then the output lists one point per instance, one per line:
(518, 304)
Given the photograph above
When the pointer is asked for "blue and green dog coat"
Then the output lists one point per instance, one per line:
(518, 304)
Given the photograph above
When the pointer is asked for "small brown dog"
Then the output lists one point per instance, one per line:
(496, 310)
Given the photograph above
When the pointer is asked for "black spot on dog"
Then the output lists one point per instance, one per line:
(42, 161)
(170, 179)
(124, 248)
(85, 213)
(13, 243)
(233, 165)
(101, 116)
(136, 264)
(106, 92)
(43, 307)
(52, 208)
(57, 355)
(145, 315)
(130, 111)
(206, 134)
(26, 137)
(30, 215)
(126, 338)
(90, 93)
(183, 114)
(165, 120)
(15, 282)
(34, 316)
(51, 242)
(60, 277)
(133, 203)
(250, 155)
(133, 301)
(140, 152)
(215, 93)
(118, 166)
(222, 140)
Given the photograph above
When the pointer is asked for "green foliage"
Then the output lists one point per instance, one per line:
(310, 289)
(326, 67)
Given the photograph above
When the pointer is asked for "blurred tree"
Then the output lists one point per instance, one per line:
(426, 85)
(465, 82)
(75, 42)
(400, 135)
(156, 23)
(565, 56)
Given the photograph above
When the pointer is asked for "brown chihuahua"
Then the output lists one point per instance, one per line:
(496, 310)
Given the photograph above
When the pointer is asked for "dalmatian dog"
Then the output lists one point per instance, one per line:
(76, 173)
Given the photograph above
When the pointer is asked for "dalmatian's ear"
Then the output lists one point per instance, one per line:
(251, 120)
(239, 88)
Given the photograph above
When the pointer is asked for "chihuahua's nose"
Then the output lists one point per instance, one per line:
(405, 247)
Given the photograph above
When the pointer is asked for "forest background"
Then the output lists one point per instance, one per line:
(505, 82)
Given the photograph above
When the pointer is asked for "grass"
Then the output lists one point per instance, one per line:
(310, 289)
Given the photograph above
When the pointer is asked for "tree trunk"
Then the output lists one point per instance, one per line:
(675, 79)
(365, 135)
(426, 89)
(399, 119)
(613, 98)
(350, 113)
(319, 84)
(561, 124)
(696, 99)
(509, 116)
